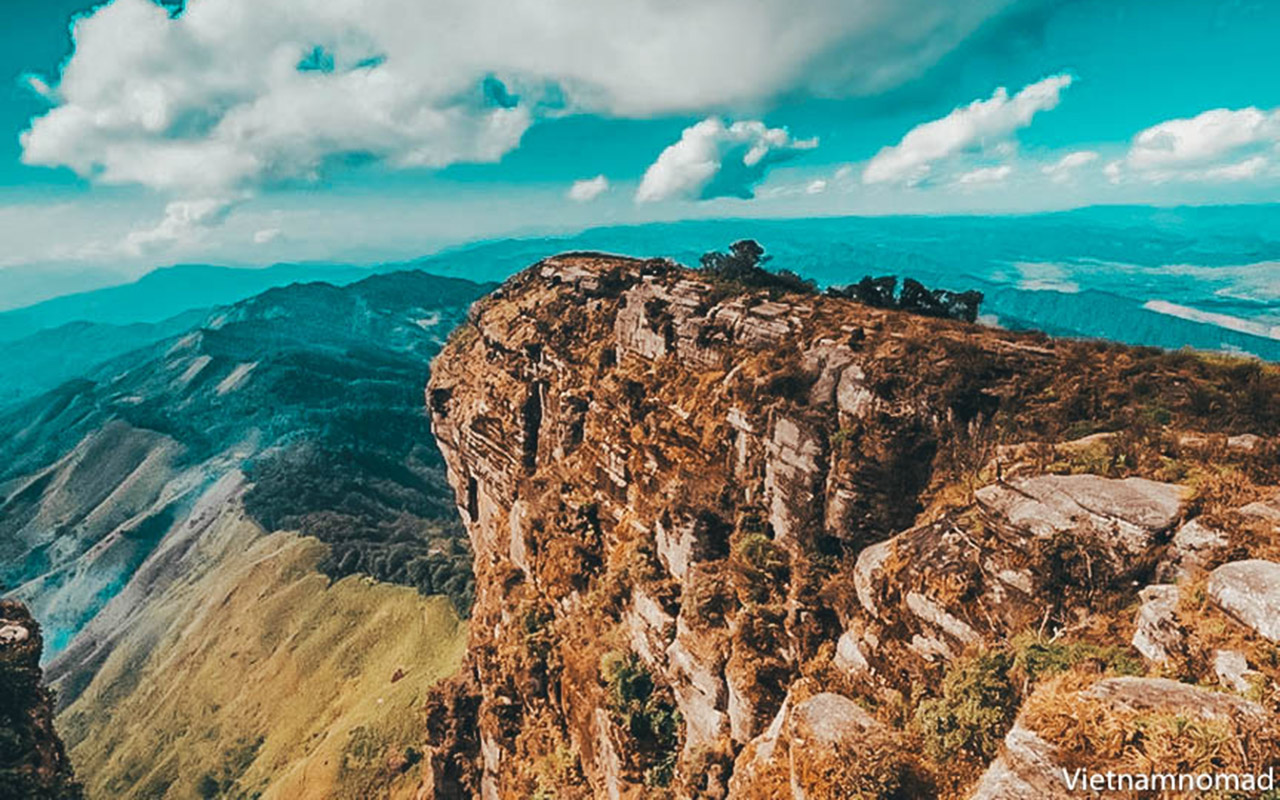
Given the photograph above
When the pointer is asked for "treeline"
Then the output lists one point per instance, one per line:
(744, 265)
(914, 298)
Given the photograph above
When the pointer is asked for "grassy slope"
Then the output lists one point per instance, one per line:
(257, 677)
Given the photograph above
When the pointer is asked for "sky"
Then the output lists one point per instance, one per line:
(134, 134)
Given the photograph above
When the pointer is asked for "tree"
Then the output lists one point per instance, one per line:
(744, 264)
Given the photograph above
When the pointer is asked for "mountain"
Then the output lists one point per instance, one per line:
(37, 363)
(242, 547)
(165, 293)
(743, 541)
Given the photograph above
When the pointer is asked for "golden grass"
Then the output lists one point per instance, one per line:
(259, 676)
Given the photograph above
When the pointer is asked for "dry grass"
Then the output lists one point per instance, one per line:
(259, 676)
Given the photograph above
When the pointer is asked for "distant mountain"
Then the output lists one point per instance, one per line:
(1055, 272)
(37, 363)
(165, 293)
(28, 284)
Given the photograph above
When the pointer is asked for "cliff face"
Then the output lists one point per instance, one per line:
(711, 523)
(33, 764)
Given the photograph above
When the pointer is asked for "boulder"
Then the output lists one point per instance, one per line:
(1250, 592)
(1232, 670)
(1157, 634)
(1031, 766)
(1027, 767)
(1193, 548)
(813, 748)
(1128, 512)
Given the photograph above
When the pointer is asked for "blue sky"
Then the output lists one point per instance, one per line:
(147, 137)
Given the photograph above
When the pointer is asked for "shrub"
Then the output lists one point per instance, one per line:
(650, 719)
(914, 298)
(975, 710)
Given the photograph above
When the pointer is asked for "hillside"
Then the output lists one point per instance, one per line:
(274, 464)
(751, 544)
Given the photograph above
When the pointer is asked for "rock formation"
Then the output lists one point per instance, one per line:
(743, 543)
(33, 764)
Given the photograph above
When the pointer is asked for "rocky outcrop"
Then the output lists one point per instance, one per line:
(33, 764)
(1034, 762)
(754, 500)
(1250, 592)
(1157, 634)
(823, 746)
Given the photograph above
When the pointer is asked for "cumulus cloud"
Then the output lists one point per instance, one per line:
(983, 175)
(1061, 170)
(230, 96)
(584, 191)
(1217, 145)
(185, 222)
(816, 186)
(713, 159)
(982, 123)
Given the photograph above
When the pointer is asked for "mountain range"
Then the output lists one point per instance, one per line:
(268, 468)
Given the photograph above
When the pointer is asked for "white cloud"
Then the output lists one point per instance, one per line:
(185, 222)
(817, 186)
(982, 123)
(213, 102)
(1221, 144)
(717, 160)
(584, 191)
(1239, 171)
(985, 175)
(1203, 139)
(267, 235)
(1061, 170)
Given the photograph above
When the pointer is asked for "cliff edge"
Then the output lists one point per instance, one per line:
(33, 763)
(742, 543)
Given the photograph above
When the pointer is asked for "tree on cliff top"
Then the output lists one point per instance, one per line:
(744, 265)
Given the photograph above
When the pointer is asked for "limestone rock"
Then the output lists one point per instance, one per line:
(1127, 514)
(849, 657)
(1250, 592)
(1029, 766)
(805, 740)
(1193, 548)
(1232, 669)
(33, 762)
(1157, 634)
(1025, 768)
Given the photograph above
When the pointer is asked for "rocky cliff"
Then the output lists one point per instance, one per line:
(746, 544)
(33, 763)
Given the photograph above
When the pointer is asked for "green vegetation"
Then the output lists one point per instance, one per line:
(981, 693)
(648, 716)
(914, 298)
(973, 714)
(743, 266)
(1035, 658)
